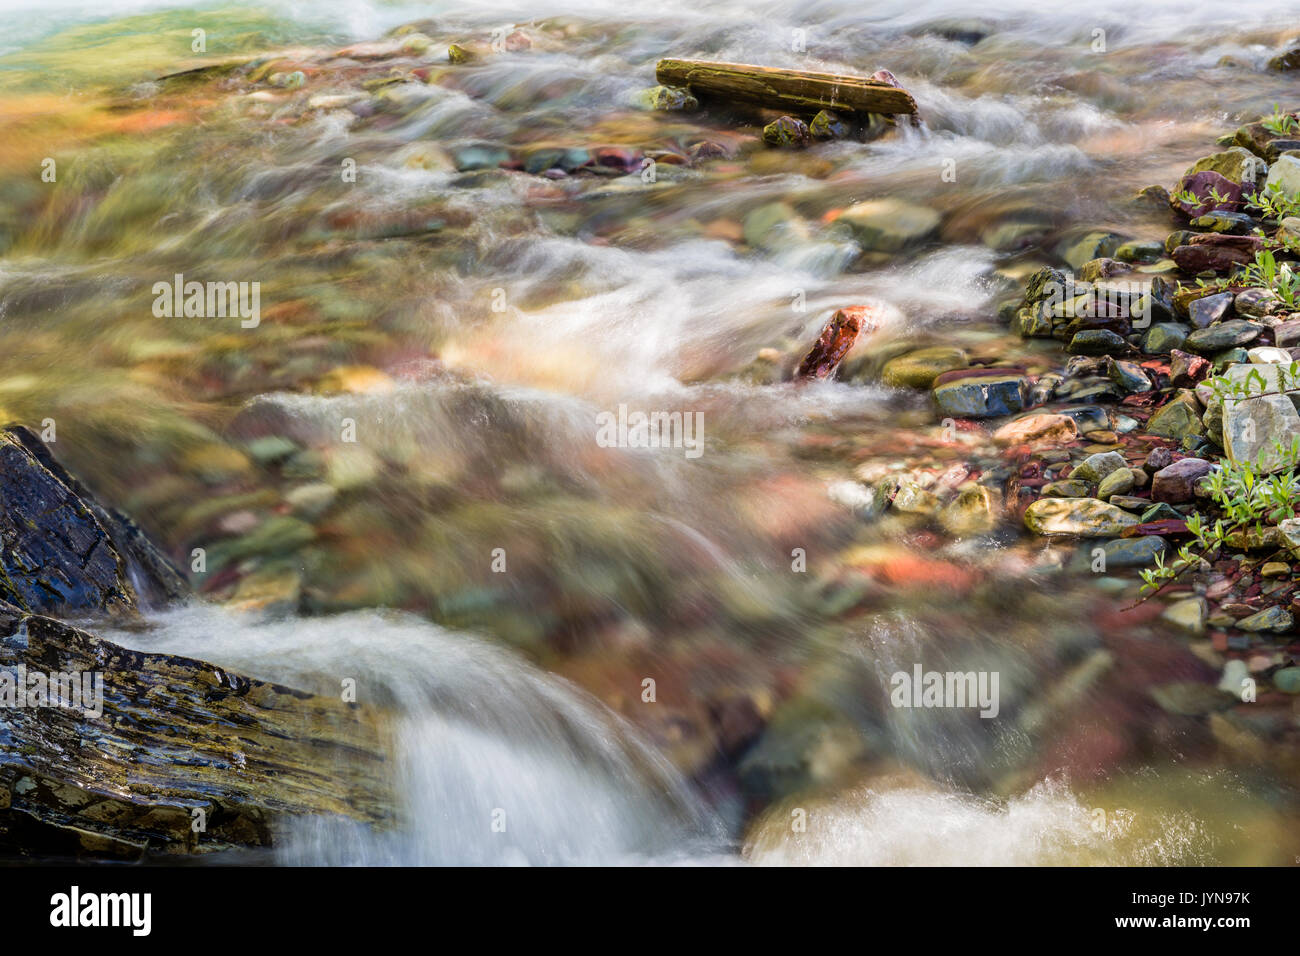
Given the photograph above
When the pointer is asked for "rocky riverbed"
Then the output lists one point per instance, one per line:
(962, 382)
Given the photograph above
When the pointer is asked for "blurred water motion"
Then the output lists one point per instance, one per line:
(439, 333)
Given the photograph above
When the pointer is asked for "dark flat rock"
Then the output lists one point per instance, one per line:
(175, 736)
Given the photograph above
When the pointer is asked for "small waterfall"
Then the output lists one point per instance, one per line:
(495, 762)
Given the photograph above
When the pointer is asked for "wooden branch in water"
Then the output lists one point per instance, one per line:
(797, 90)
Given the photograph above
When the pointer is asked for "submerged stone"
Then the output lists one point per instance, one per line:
(890, 225)
(666, 98)
(1085, 517)
(919, 369)
(786, 131)
(985, 396)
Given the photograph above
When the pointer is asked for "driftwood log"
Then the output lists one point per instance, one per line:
(791, 90)
(170, 741)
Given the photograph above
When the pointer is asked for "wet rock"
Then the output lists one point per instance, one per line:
(974, 511)
(245, 752)
(1041, 429)
(1237, 164)
(1129, 552)
(1290, 60)
(1161, 511)
(1289, 533)
(959, 395)
(1096, 467)
(1225, 222)
(1142, 251)
(787, 131)
(837, 337)
(1224, 335)
(1077, 251)
(1131, 502)
(1159, 457)
(666, 98)
(890, 225)
(463, 53)
(1214, 252)
(548, 159)
(1186, 370)
(1097, 342)
(1085, 517)
(1013, 235)
(1151, 198)
(961, 30)
(1118, 482)
(1284, 176)
(273, 590)
(905, 495)
(1175, 483)
(1227, 358)
(1252, 539)
(60, 551)
(1253, 427)
(1201, 186)
(1268, 355)
(1103, 268)
(1177, 418)
(1276, 619)
(1163, 338)
(1089, 418)
(1264, 143)
(1187, 615)
(1032, 322)
(1044, 284)
(919, 369)
(1287, 334)
(828, 125)
(1128, 376)
(1288, 229)
(1066, 488)
(1256, 303)
(1207, 310)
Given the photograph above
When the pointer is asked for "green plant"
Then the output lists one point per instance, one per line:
(1243, 492)
(1273, 203)
(1212, 197)
(1267, 272)
(1280, 123)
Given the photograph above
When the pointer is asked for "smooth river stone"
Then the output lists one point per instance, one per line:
(1085, 517)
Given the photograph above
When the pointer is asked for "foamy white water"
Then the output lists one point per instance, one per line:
(482, 739)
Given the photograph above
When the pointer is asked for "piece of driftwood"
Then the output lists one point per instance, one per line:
(790, 90)
(163, 742)
(838, 336)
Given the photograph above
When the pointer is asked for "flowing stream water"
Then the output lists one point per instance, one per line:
(469, 324)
